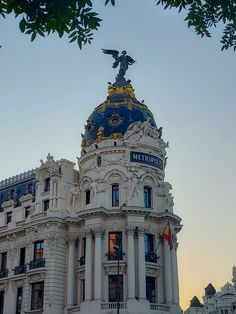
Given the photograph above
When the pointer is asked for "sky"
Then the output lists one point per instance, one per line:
(49, 87)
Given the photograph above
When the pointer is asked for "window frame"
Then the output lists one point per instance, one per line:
(19, 303)
(147, 196)
(87, 197)
(8, 215)
(41, 248)
(36, 303)
(121, 285)
(153, 298)
(112, 256)
(115, 191)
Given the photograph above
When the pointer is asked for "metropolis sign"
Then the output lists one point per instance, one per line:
(147, 159)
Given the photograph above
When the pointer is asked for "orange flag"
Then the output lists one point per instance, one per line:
(166, 235)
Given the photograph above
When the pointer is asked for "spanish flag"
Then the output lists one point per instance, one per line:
(166, 235)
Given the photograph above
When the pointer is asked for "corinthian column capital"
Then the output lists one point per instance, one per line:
(98, 231)
(72, 239)
(130, 229)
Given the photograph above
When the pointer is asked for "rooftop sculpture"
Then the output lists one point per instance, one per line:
(124, 61)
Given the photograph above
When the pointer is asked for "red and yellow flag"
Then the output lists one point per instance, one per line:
(166, 235)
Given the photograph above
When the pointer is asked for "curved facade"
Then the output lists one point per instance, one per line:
(103, 237)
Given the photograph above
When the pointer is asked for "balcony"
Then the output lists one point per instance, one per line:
(113, 306)
(82, 261)
(151, 257)
(113, 256)
(159, 307)
(4, 273)
(37, 263)
(19, 270)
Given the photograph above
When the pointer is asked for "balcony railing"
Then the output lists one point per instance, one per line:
(113, 306)
(113, 256)
(151, 257)
(37, 263)
(160, 307)
(4, 273)
(19, 270)
(82, 261)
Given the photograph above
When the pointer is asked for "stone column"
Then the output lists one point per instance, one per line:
(141, 264)
(98, 232)
(88, 266)
(167, 272)
(175, 279)
(130, 262)
(71, 270)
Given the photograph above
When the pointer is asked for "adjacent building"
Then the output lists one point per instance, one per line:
(90, 240)
(222, 302)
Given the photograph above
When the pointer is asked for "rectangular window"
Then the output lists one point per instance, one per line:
(37, 296)
(3, 261)
(87, 197)
(115, 246)
(22, 257)
(82, 290)
(147, 197)
(19, 300)
(1, 301)
(45, 205)
(151, 289)
(47, 185)
(27, 211)
(150, 252)
(115, 195)
(83, 252)
(38, 250)
(9, 217)
(115, 288)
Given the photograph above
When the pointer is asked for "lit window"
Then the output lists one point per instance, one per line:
(87, 197)
(151, 289)
(115, 246)
(115, 288)
(47, 185)
(37, 296)
(19, 300)
(45, 205)
(115, 195)
(38, 250)
(9, 217)
(147, 197)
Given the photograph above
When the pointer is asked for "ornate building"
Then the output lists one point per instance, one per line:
(222, 302)
(89, 241)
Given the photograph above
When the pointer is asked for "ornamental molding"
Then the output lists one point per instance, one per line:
(98, 231)
(72, 239)
(153, 271)
(130, 229)
(17, 283)
(111, 268)
(48, 168)
(4, 286)
(35, 277)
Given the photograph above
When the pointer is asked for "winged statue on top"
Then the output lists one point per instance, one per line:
(121, 59)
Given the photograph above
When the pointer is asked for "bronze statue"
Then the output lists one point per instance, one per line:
(123, 60)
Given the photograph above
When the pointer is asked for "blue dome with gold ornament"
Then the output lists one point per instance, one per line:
(112, 118)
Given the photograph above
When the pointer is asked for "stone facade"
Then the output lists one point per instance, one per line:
(58, 240)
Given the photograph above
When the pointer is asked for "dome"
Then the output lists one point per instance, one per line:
(210, 290)
(112, 118)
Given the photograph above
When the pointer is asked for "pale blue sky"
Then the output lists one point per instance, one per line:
(49, 88)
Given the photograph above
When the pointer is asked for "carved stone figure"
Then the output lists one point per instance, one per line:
(132, 184)
(74, 190)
